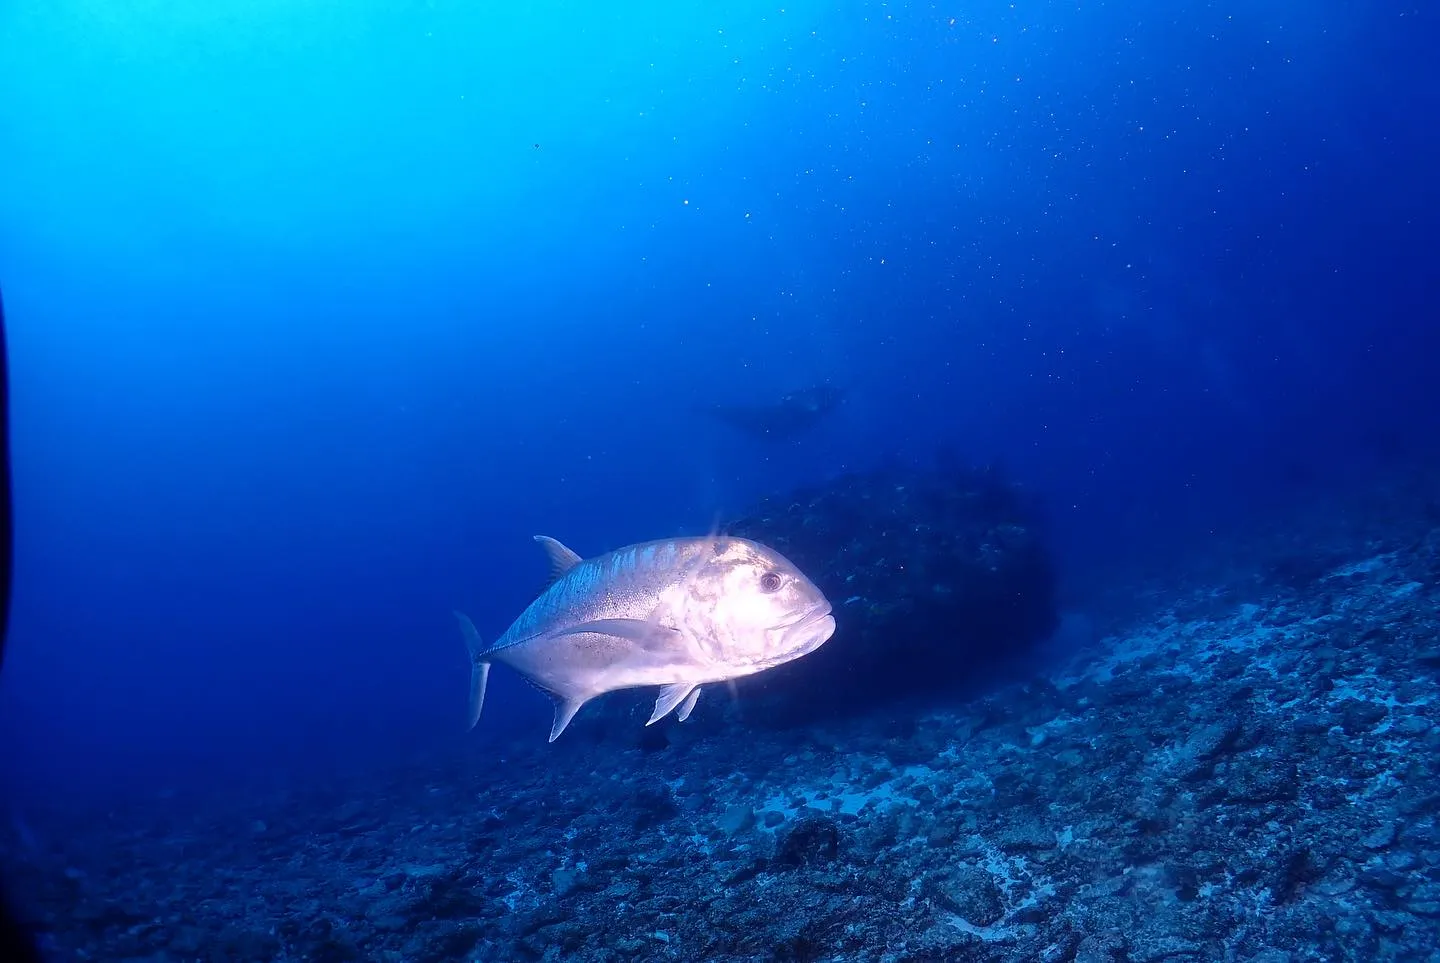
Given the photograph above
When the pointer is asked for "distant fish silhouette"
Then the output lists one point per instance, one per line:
(793, 415)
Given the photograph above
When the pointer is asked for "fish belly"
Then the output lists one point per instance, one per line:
(586, 664)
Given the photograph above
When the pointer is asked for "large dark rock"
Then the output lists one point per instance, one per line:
(935, 578)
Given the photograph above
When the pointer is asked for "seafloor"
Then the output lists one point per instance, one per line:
(1244, 768)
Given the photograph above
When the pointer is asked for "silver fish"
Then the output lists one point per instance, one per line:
(677, 613)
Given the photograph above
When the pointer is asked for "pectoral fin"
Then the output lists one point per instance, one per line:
(643, 633)
(670, 697)
(688, 706)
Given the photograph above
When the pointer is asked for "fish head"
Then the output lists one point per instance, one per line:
(755, 608)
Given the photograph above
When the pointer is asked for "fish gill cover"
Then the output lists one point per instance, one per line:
(319, 312)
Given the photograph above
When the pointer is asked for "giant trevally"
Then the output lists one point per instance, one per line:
(677, 613)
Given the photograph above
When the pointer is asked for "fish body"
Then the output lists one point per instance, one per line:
(678, 613)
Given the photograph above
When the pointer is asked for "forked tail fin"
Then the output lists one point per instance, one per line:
(479, 666)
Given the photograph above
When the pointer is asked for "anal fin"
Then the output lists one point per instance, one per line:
(565, 710)
(565, 706)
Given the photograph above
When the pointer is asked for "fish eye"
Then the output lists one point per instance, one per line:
(770, 582)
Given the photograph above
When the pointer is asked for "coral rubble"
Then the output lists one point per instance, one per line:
(1247, 772)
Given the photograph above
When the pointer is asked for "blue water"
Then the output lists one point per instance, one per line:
(317, 312)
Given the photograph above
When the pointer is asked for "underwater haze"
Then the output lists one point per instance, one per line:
(318, 312)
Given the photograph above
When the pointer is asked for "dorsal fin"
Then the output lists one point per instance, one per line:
(561, 558)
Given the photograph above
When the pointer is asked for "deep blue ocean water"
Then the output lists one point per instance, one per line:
(318, 312)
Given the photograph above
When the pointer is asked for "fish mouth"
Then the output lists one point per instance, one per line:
(807, 633)
(815, 613)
